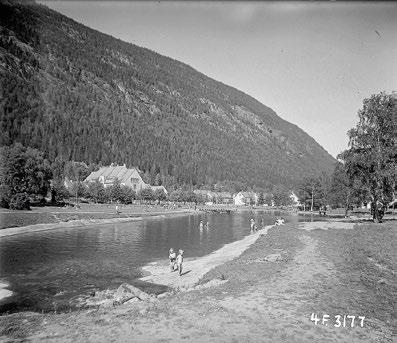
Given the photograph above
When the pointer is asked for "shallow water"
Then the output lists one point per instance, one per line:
(49, 270)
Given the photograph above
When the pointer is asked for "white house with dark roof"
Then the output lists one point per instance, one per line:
(127, 176)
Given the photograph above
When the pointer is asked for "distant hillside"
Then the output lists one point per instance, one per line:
(72, 91)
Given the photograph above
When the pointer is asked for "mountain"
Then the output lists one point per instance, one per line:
(74, 92)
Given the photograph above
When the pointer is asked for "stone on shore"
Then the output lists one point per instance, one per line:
(125, 294)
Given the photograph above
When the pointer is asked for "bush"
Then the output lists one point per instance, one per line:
(5, 196)
(146, 194)
(20, 201)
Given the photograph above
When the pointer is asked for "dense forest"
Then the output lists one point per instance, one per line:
(82, 95)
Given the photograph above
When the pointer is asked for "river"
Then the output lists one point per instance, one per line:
(49, 270)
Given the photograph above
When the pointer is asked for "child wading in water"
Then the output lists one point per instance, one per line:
(172, 257)
(179, 261)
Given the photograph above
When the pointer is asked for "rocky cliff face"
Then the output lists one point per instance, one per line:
(75, 92)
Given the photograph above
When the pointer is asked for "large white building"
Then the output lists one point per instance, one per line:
(126, 176)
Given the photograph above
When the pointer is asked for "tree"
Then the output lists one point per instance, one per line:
(96, 191)
(160, 195)
(127, 194)
(146, 194)
(77, 189)
(344, 192)
(23, 171)
(58, 191)
(261, 198)
(268, 199)
(281, 196)
(76, 172)
(313, 191)
(372, 155)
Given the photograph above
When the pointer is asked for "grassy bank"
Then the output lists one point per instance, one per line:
(48, 214)
(346, 272)
(364, 281)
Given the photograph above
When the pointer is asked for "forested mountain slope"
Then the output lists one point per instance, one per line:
(69, 90)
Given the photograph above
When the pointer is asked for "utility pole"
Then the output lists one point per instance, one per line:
(311, 208)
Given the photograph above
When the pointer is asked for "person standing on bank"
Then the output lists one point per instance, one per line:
(179, 261)
(172, 257)
(252, 224)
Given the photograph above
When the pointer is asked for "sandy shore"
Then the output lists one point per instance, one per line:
(195, 269)
(87, 223)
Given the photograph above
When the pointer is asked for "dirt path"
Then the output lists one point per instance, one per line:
(269, 312)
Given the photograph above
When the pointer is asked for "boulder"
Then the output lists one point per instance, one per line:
(273, 258)
(163, 295)
(126, 292)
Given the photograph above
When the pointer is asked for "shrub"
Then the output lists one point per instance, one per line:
(20, 201)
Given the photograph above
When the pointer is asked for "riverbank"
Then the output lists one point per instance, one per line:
(53, 215)
(81, 217)
(322, 271)
(195, 269)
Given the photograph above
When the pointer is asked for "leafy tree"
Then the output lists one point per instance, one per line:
(175, 195)
(201, 199)
(268, 199)
(344, 192)
(281, 196)
(261, 198)
(20, 201)
(313, 191)
(58, 191)
(77, 189)
(96, 191)
(146, 194)
(189, 196)
(76, 171)
(127, 194)
(23, 171)
(372, 155)
(160, 195)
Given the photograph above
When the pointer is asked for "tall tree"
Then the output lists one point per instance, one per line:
(281, 196)
(372, 155)
(23, 171)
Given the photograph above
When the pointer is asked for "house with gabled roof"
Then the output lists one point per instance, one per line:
(126, 176)
(245, 198)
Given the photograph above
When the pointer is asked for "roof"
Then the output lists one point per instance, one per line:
(121, 173)
(248, 194)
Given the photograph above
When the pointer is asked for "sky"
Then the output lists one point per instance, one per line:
(311, 62)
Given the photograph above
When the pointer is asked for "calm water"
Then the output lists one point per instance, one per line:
(50, 269)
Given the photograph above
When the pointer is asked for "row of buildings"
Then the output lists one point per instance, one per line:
(131, 177)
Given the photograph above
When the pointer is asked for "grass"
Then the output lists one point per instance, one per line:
(365, 272)
(47, 215)
(245, 270)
